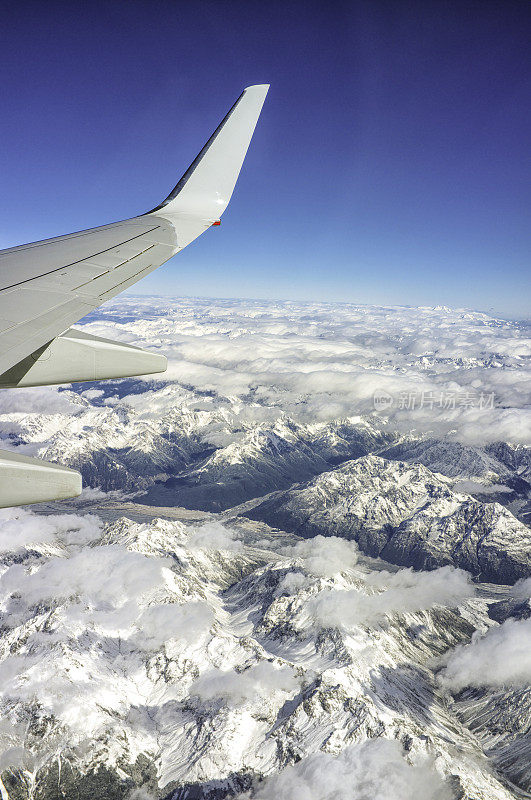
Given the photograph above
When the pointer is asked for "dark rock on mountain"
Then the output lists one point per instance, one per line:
(404, 514)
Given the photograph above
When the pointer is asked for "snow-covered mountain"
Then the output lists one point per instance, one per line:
(274, 585)
(183, 658)
(407, 515)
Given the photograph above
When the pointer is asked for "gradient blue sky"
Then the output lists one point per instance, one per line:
(390, 164)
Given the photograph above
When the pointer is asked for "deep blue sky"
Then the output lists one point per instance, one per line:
(390, 164)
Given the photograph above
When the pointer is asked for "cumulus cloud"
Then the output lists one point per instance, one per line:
(236, 365)
(12, 752)
(40, 400)
(502, 657)
(236, 688)
(405, 591)
(103, 586)
(375, 769)
(213, 536)
(160, 622)
(324, 556)
(110, 573)
(93, 394)
(82, 621)
(291, 583)
(522, 589)
(23, 529)
(94, 494)
(12, 757)
(141, 794)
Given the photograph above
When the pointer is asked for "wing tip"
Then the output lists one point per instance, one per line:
(256, 95)
(264, 87)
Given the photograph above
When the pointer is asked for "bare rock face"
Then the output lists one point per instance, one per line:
(501, 719)
(261, 460)
(407, 515)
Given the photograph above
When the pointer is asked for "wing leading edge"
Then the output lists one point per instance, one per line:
(47, 286)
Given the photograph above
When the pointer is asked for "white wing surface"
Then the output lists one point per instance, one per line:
(47, 286)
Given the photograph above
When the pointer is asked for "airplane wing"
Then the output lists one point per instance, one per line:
(47, 286)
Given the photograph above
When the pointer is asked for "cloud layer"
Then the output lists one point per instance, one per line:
(383, 594)
(447, 372)
(502, 657)
(375, 769)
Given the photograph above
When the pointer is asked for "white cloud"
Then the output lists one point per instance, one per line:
(12, 757)
(213, 536)
(236, 365)
(502, 657)
(109, 573)
(405, 591)
(237, 688)
(38, 400)
(374, 770)
(103, 585)
(291, 583)
(323, 361)
(141, 794)
(324, 556)
(22, 529)
(93, 394)
(164, 621)
(12, 753)
(522, 589)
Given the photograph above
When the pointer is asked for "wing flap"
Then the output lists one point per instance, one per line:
(79, 356)
(32, 313)
(28, 262)
(23, 339)
(24, 304)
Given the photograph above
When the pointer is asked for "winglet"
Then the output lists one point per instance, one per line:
(206, 187)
